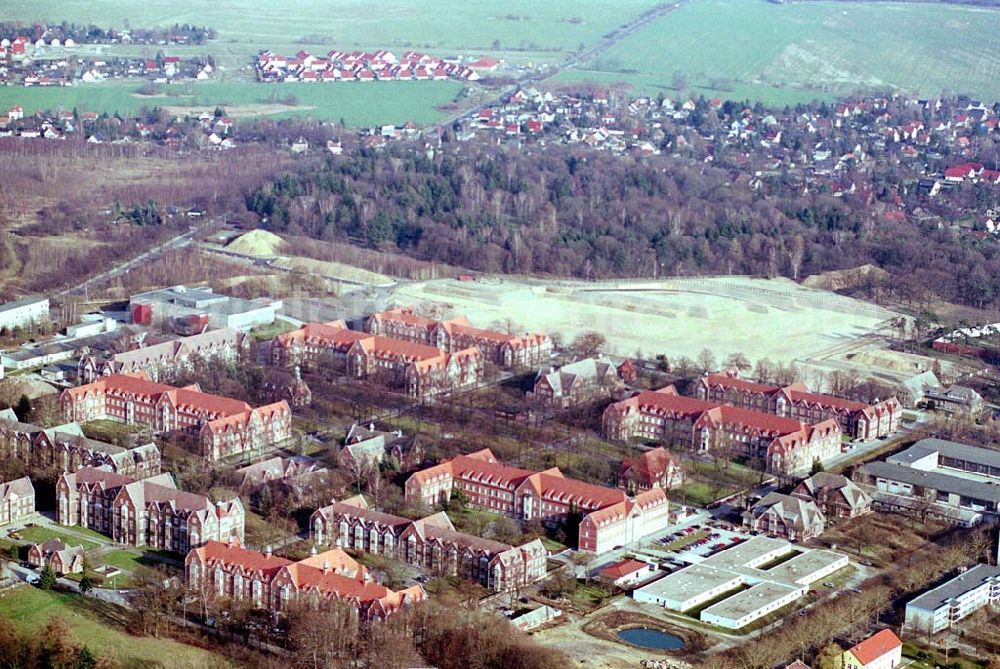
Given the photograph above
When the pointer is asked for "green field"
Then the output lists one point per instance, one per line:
(97, 624)
(784, 53)
(357, 104)
(40, 534)
(518, 29)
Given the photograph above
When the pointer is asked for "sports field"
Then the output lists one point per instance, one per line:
(783, 53)
(355, 103)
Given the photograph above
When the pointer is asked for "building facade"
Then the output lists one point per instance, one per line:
(149, 512)
(656, 468)
(66, 448)
(504, 350)
(21, 313)
(836, 495)
(265, 581)
(882, 650)
(165, 358)
(547, 496)
(577, 382)
(857, 420)
(62, 558)
(944, 606)
(787, 517)
(430, 543)
(785, 444)
(222, 426)
(17, 501)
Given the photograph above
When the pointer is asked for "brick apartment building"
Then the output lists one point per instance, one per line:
(223, 426)
(787, 445)
(17, 501)
(431, 543)
(547, 496)
(503, 350)
(856, 419)
(423, 370)
(165, 358)
(62, 558)
(148, 512)
(66, 448)
(266, 581)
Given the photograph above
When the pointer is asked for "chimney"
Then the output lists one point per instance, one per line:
(312, 551)
(326, 566)
(267, 550)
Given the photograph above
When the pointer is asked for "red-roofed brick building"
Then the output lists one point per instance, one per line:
(786, 444)
(149, 512)
(268, 582)
(504, 350)
(223, 426)
(656, 468)
(423, 370)
(856, 419)
(430, 543)
(547, 496)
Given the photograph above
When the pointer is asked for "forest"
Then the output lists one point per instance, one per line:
(560, 212)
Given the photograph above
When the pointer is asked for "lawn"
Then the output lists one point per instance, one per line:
(269, 332)
(782, 53)
(707, 482)
(98, 625)
(38, 534)
(107, 430)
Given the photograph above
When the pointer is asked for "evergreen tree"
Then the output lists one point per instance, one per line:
(48, 578)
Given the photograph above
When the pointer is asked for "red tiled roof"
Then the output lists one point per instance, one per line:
(623, 568)
(875, 646)
(236, 555)
(727, 381)
(830, 401)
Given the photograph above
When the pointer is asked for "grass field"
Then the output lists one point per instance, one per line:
(518, 29)
(40, 534)
(98, 625)
(783, 53)
(356, 104)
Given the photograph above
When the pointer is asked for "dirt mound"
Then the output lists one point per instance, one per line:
(846, 279)
(259, 243)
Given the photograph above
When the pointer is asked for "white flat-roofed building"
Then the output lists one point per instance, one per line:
(23, 312)
(809, 567)
(688, 588)
(950, 602)
(751, 553)
(745, 607)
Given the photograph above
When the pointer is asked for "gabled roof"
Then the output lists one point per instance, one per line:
(623, 568)
(233, 554)
(876, 646)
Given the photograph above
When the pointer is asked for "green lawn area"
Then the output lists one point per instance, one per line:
(707, 483)
(98, 625)
(923, 657)
(38, 534)
(103, 429)
(268, 332)
(782, 53)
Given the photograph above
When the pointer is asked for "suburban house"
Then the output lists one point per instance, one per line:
(836, 495)
(950, 602)
(169, 357)
(626, 573)
(608, 516)
(265, 581)
(62, 558)
(503, 350)
(882, 650)
(946, 479)
(423, 370)
(148, 512)
(656, 468)
(857, 420)
(576, 382)
(787, 445)
(222, 426)
(430, 543)
(784, 516)
(17, 501)
(67, 448)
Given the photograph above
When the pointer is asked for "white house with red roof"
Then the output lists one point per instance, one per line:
(625, 573)
(882, 650)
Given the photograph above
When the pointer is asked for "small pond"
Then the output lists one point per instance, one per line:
(650, 638)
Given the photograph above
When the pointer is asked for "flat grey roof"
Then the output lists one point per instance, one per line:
(951, 449)
(744, 603)
(690, 582)
(936, 480)
(805, 565)
(17, 304)
(956, 587)
(749, 551)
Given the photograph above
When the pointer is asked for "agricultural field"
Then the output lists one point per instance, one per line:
(518, 30)
(785, 53)
(354, 104)
(101, 627)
